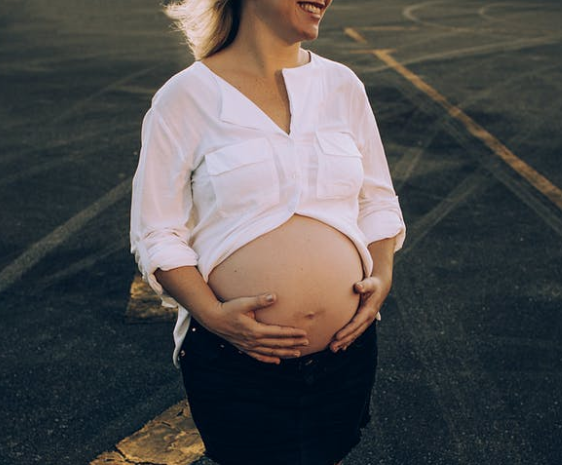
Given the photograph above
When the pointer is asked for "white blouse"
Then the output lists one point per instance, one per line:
(215, 171)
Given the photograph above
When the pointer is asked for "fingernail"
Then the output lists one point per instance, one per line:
(269, 298)
(305, 343)
(296, 354)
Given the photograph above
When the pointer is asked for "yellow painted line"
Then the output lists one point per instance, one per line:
(172, 437)
(145, 306)
(349, 31)
(169, 439)
(389, 28)
(537, 180)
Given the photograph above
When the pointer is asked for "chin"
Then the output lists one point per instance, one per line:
(308, 35)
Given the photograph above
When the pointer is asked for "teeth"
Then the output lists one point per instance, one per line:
(310, 8)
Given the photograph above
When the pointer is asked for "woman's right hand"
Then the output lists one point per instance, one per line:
(235, 321)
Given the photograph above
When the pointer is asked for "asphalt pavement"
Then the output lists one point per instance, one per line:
(470, 367)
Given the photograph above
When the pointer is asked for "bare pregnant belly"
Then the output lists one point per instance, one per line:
(310, 266)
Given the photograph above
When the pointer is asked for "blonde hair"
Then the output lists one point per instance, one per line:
(209, 25)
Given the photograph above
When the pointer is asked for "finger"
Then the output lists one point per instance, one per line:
(249, 304)
(366, 285)
(275, 331)
(263, 358)
(272, 352)
(283, 342)
(360, 318)
(260, 301)
(347, 341)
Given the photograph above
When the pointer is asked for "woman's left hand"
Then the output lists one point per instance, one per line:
(374, 291)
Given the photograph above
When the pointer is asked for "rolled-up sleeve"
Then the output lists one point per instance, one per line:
(380, 216)
(161, 204)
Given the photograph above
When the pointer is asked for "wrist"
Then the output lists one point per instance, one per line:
(384, 279)
(209, 315)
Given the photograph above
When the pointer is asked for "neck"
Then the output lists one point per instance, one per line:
(264, 52)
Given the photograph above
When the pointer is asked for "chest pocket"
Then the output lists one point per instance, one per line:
(244, 176)
(340, 166)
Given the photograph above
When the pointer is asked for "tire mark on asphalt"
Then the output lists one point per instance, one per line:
(85, 263)
(474, 184)
(520, 188)
(47, 165)
(451, 395)
(536, 179)
(33, 170)
(517, 185)
(483, 13)
(15, 270)
(511, 46)
(402, 171)
(478, 184)
(442, 379)
(119, 82)
(454, 397)
(404, 168)
(454, 394)
(408, 13)
(418, 375)
(47, 64)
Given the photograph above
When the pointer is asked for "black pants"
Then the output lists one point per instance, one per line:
(305, 411)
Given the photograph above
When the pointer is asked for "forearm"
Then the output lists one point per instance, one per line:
(186, 285)
(382, 253)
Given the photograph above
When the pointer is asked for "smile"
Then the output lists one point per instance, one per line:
(312, 7)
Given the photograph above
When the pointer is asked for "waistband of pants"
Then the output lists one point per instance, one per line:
(292, 364)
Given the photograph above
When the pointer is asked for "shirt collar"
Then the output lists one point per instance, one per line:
(239, 110)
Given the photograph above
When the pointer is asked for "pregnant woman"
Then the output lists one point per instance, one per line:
(264, 210)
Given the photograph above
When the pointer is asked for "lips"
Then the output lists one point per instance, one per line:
(314, 8)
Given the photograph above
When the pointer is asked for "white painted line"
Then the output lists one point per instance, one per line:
(35, 169)
(510, 46)
(66, 114)
(408, 13)
(113, 246)
(389, 28)
(473, 184)
(15, 270)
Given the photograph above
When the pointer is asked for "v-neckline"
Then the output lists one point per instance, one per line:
(255, 105)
